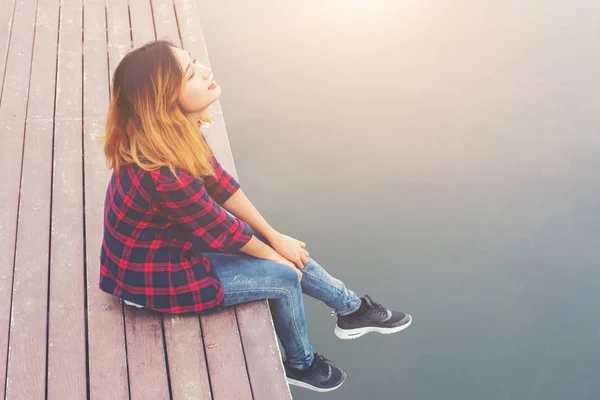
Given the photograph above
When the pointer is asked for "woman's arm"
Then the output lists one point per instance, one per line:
(226, 190)
(186, 201)
(291, 249)
(240, 206)
(221, 185)
(255, 247)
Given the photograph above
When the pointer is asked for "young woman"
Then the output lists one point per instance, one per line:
(181, 237)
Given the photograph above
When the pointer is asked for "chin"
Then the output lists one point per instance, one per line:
(217, 92)
(215, 95)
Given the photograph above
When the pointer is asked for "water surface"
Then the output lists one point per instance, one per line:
(443, 157)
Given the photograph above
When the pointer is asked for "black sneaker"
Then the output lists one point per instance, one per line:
(370, 317)
(321, 376)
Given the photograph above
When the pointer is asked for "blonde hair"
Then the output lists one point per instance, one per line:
(145, 124)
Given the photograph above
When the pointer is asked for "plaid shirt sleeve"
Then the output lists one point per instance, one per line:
(187, 201)
(222, 185)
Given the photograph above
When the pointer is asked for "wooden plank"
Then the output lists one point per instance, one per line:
(185, 349)
(142, 27)
(66, 335)
(66, 329)
(25, 373)
(225, 356)
(262, 355)
(145, 352)
(119, 34)
(187, 364)
(95, 64)
(28, 336)
(107, 355)
(6, 19)
(165, 21)
(27, 358)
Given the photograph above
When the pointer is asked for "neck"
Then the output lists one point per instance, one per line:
(198, 116)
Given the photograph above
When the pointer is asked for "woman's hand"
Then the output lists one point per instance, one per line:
(257, 248)
(292, 249)
(278, 258)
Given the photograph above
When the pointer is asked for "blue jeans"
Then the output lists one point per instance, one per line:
(245, 278)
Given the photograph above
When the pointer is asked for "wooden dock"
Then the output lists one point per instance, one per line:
(60, 336)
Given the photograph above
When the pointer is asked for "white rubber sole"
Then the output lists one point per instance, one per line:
(347, 334)
(316, 389)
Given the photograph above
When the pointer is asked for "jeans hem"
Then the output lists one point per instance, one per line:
(341, 292)
(349, 310)
(302, 366)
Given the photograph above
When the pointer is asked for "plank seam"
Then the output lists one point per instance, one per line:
(85, 291)
(110, 91)
(153, 20)
(205, 358)
(107, 48)
(162, 328)
(126, 353)
(130, 25)
(12, 19)
(237, 323)
(51, 195)
(177, 23)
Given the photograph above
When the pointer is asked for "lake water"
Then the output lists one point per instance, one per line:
(442, 156)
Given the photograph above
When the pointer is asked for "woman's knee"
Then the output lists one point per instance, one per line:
(282, 276)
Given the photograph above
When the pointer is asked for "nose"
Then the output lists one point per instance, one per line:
(206, 72)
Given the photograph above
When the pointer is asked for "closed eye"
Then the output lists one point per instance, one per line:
(193, 73)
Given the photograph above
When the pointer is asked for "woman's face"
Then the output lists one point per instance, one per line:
(200, 89)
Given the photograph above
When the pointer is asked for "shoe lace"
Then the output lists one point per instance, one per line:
(322, 366)
(379, 309)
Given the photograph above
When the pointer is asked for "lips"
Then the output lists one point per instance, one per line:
(212, 85)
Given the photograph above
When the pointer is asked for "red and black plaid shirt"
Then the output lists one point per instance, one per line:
(155, 231)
